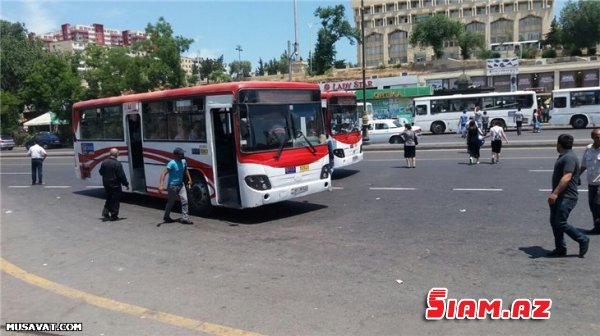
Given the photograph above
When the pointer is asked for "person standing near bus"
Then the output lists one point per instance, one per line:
(477, 117)
(176, 169)
(38, 155)
(563, 198)
(113, 177)
(497, 134)
(591, 162)
(473, 144)
(410, 146)
(462, 123)
(518, 119)
(485, 121)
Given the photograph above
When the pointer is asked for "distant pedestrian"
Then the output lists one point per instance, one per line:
(410, 146)
(518, 119)
(591, 162)
(563, 198)
(485, 121)
(497, 134)
(546, 113)
(176, 169)
(462, 123)
(38, 155)
(473, 144)
(113, 177)
(536, 121)
(477, 117)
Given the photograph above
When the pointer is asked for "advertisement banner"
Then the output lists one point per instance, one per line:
(502, 66)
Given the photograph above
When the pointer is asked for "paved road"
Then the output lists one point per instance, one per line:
(328, 264)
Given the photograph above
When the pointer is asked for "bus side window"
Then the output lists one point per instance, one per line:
(560, 102)
(421, 109)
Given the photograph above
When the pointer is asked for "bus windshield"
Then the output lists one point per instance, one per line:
(273, 126)
(344, 119)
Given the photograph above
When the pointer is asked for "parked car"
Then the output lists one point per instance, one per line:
(388, 130)
(45, 139)
(6, 142)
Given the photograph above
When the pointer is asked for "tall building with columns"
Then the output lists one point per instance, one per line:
(388, 25)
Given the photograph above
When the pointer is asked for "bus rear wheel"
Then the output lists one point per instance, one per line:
(199, 197)
(579, 122)
(438, 127)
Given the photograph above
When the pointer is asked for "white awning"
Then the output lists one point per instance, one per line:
(46, 119)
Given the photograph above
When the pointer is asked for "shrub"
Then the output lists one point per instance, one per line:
(549, 53)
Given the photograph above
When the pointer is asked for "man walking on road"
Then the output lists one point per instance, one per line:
(563, 198)
(113, 177)
(518, 119)
(38, 155)
(591, 162)
(176, 169)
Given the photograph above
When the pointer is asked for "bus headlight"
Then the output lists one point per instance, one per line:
(339, 153)
(258, 182)
(325, 172)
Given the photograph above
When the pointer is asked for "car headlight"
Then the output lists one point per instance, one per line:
(325, 172)
(258, 182)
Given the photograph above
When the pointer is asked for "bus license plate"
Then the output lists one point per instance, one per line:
(299, 190)
(303, 168)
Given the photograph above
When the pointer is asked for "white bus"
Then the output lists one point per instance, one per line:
(577, 107)
(247, 144)
(440, 114)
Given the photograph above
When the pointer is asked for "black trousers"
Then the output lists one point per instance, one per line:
(37, 166)
(113, 200)
(594, 203)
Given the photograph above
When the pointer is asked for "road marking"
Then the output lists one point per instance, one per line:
(121, 307)
(458, 159)
(15, 173)
(390, 188)
(337, 188)
(45, 164)
(540, 170)
(476, 189)
(57, 187)
(550, 190)
(94, 187)
(20, 186)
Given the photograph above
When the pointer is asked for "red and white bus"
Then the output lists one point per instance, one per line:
(247, 144)
(343, 125)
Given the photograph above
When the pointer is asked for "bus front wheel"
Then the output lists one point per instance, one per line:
(199, 197)
(438, 127)
(579, 122)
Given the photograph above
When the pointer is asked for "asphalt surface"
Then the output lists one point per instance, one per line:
(359, 260)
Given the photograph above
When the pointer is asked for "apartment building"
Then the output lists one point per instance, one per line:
(75, 37)
(388, 25)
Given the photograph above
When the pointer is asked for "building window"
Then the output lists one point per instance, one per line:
(391, 21)
(374, 49)
(378, 9)
(379, 23)
(389, 7)
(454, 13)
(501, 31)
(467, 12)
(398, 47)
(414, 4)
(509, 8)
(476, 27)
(481, 11)
(530, 28)
(523, 6)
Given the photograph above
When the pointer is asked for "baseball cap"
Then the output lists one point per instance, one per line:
(178, 151)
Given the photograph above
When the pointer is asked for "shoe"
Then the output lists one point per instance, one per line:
(168, 220)
(114, 218)
(594, 231)
(33, 183)
(556, 253)
(583, 247)
(185, 221)
(470, 160)
(493, 160)
(477, 161)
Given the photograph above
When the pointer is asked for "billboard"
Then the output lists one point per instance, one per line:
(502, 66)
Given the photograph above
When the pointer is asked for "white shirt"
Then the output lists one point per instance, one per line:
(591, 161)
(36, 152)
(496, 133)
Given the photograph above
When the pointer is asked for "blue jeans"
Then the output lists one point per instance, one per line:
(175, 191)
(559, 214)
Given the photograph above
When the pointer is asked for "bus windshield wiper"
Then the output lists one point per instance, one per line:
(300, 134)
(283, 141)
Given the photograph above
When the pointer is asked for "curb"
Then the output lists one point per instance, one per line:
(463, 145)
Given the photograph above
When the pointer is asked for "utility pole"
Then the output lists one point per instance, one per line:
(239, 49)
(365, 117)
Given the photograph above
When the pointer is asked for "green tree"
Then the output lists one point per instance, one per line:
(334, 27)
(243, 68)
(434, 31)
(212, 69)
(468, 40)
(52, 85)
(261, 68)
(10, 107)
(580, 22)
(554, 36)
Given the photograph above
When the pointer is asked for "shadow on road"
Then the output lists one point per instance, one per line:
(233, 217)
(540, 252)
(343, 173)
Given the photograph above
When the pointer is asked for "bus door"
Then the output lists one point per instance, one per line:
(136, 152)
(225, 159)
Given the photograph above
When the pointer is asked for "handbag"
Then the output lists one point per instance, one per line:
(416, 139)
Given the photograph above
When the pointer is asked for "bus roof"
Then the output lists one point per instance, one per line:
(577, 89)
(471, 95)
(214, 89)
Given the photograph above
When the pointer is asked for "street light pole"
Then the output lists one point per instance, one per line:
(365, 117)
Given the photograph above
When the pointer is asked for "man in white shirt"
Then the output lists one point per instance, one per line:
(591, 162)
(38, 154)
(518, 119)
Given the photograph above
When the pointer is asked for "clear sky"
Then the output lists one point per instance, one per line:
(261, 27)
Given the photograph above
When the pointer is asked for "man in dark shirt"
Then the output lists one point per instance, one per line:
(563, 198)
(113, 177)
